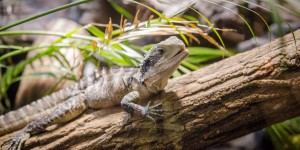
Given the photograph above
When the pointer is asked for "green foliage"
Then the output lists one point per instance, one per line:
(285, 135)
(120, 9)
(200, 55)
(116, 47)
(43, 14)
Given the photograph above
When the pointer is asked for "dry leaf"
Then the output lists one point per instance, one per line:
(108, 31)
(136, 20)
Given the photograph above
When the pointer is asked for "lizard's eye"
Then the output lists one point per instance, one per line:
(161, 51)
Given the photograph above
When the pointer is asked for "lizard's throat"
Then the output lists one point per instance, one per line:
(158, 81)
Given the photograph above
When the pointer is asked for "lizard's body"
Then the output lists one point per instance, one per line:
(88, 85)
(104, 88)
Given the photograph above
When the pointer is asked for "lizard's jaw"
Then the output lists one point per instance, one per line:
(178, 57)
(170, 64)
(158, 80)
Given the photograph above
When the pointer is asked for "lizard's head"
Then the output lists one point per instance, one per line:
(161, 61)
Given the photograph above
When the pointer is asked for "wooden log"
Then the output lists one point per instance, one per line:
(222, 101)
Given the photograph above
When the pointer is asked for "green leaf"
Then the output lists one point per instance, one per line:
(184, 69)
(120, 9)
(38, 74)
(197, 60)
(10, 47)
(113, 58)
(130, 52)
(207, 51)
(189, 17)
(95, 31)
(50, 33)
(44, 13)
(15, 52)
(189, 65)
(176, 74)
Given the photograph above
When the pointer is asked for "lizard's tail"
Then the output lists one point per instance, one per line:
(17, 119)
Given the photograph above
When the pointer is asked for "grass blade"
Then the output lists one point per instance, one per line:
(44, 14)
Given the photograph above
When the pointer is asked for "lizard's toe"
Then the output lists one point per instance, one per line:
(16, 142)
(5, 144)
(10, 144)
(13, 144)
(156, 105)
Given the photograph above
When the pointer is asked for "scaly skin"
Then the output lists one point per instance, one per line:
(104, 88)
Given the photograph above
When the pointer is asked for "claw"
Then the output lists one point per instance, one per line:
(157, 110)
(157, 114)
(151, 118)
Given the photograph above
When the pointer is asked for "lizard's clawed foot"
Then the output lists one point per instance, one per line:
(16, 142)
(149, 111)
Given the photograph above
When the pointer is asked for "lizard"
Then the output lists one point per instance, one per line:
(105, 87)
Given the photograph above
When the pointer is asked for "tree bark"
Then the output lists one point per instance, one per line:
(222, 101)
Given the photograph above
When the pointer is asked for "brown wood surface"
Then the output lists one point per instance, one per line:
(222, 101)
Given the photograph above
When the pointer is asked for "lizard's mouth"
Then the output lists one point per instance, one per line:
(180, 51)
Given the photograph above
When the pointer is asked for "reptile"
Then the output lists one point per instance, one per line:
(105, 87)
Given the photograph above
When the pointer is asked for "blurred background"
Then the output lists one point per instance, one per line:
(58, 42)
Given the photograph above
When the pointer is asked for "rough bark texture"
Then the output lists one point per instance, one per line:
(225, 100)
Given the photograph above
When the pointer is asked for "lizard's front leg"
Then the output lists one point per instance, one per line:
(146, 111)
(64, 112)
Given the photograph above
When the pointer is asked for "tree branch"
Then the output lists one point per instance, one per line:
(222, 101)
